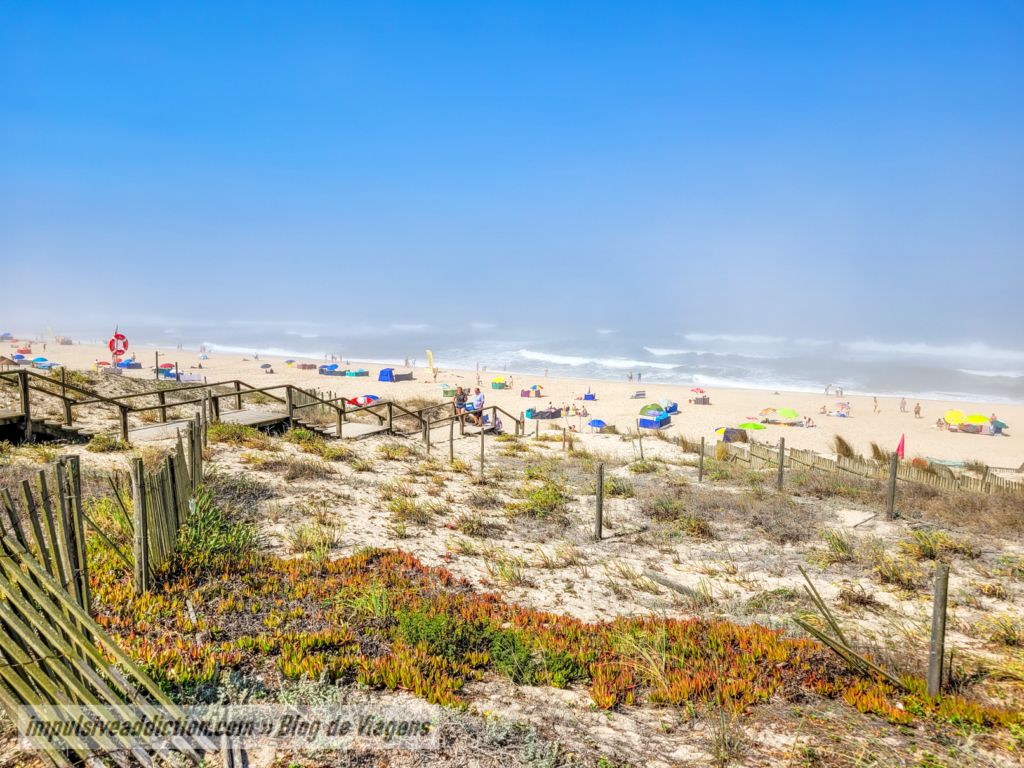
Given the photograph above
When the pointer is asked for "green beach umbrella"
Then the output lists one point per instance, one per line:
(650, 407)
(751, 425)
(1000, 424)
(787, 413)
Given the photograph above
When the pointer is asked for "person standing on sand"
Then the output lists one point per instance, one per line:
(478, 407)
(917, 411)
(545, 373)
(875, 409)
(827, 388)
(638, 377)
(903, 405)
(629, 377)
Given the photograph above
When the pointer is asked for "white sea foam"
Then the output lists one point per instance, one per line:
(993, 374)
(976, 350)
(734, 339)
(664, 352)
(575, 361)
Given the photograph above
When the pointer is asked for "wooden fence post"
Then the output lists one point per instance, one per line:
(391, 417)
(161, 397)
(428, 434)
(73, 472)
(124, 422)
(140, 542)
(238, 395)
(215, 406)
(599, 510)
(640, 439)
(481, 451)
(521, 424)
(289, 405)
(26, 403)
(563, 439)
(451, 440)
(782, 463)
(937, 648)
(700, 464)
(890, 505)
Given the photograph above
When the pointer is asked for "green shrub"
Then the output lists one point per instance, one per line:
(208, 529)
(238, 434)
(103, 443)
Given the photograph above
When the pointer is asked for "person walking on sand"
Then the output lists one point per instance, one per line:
(917, 411)
(827, 388)
(629, 377)
(903, 405)
(545, 373)
(875, 409)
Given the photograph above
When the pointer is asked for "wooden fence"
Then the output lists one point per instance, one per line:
(51, 650)
(757, 456)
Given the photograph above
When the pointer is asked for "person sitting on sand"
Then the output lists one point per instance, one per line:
(583, 411)
(823, 410)
(940, 423)
(809, 422)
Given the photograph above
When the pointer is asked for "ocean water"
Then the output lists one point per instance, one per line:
(973, 371)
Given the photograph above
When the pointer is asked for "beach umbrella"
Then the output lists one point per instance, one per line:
(751, 425)
(596, 424)
(666, 402)
(699, 391)
(332, 367)
(324, 367)
(767, 411)
(167, 365)
(203, 357)
(19, 357)
(288, 362)
(39, 360)
(976, 418)
(955, 417)
(650, 407)
(443, 386)
(720, 430)
(535, 386)
(498, 380)
(1000, 424)
(265, 365)
(787, 413)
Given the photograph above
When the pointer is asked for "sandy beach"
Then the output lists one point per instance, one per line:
(728, 408)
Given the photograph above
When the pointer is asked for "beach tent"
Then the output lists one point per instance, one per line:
(650, 407)
(546, 413)
(386, 374)
(655, 420)
(203, 357)
(665, 402)
(730, 435)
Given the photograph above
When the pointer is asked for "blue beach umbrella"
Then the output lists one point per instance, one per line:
(19, 357)
(596, 424)
(39, 360)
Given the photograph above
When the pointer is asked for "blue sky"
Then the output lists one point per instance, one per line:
(741, 167)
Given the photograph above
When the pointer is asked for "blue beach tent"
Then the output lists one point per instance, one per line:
(386, 374)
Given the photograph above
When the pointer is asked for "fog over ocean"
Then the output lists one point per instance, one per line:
(965, 371)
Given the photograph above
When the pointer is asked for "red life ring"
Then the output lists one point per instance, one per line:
(118, 345)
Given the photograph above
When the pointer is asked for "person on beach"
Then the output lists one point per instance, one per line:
(545, 373)
(917, 411)
(823, 411)
(583, 411)
(940, 423)
(639, 377)
(903, 405)
(629, 377)
(478, 407)
(827, 388)
(839, 391)
(875, 409)
(460, 401)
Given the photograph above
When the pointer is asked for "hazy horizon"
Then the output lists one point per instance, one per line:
(817, 184)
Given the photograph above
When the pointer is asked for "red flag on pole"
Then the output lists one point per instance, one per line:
(899, 448)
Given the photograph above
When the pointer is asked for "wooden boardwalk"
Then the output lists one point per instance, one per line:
(354, 430)
(171, 428)
(10, 417)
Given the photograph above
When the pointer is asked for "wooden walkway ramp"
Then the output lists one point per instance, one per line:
(171, 428)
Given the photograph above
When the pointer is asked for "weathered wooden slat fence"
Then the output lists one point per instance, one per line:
(51, 651)
(758, 456)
